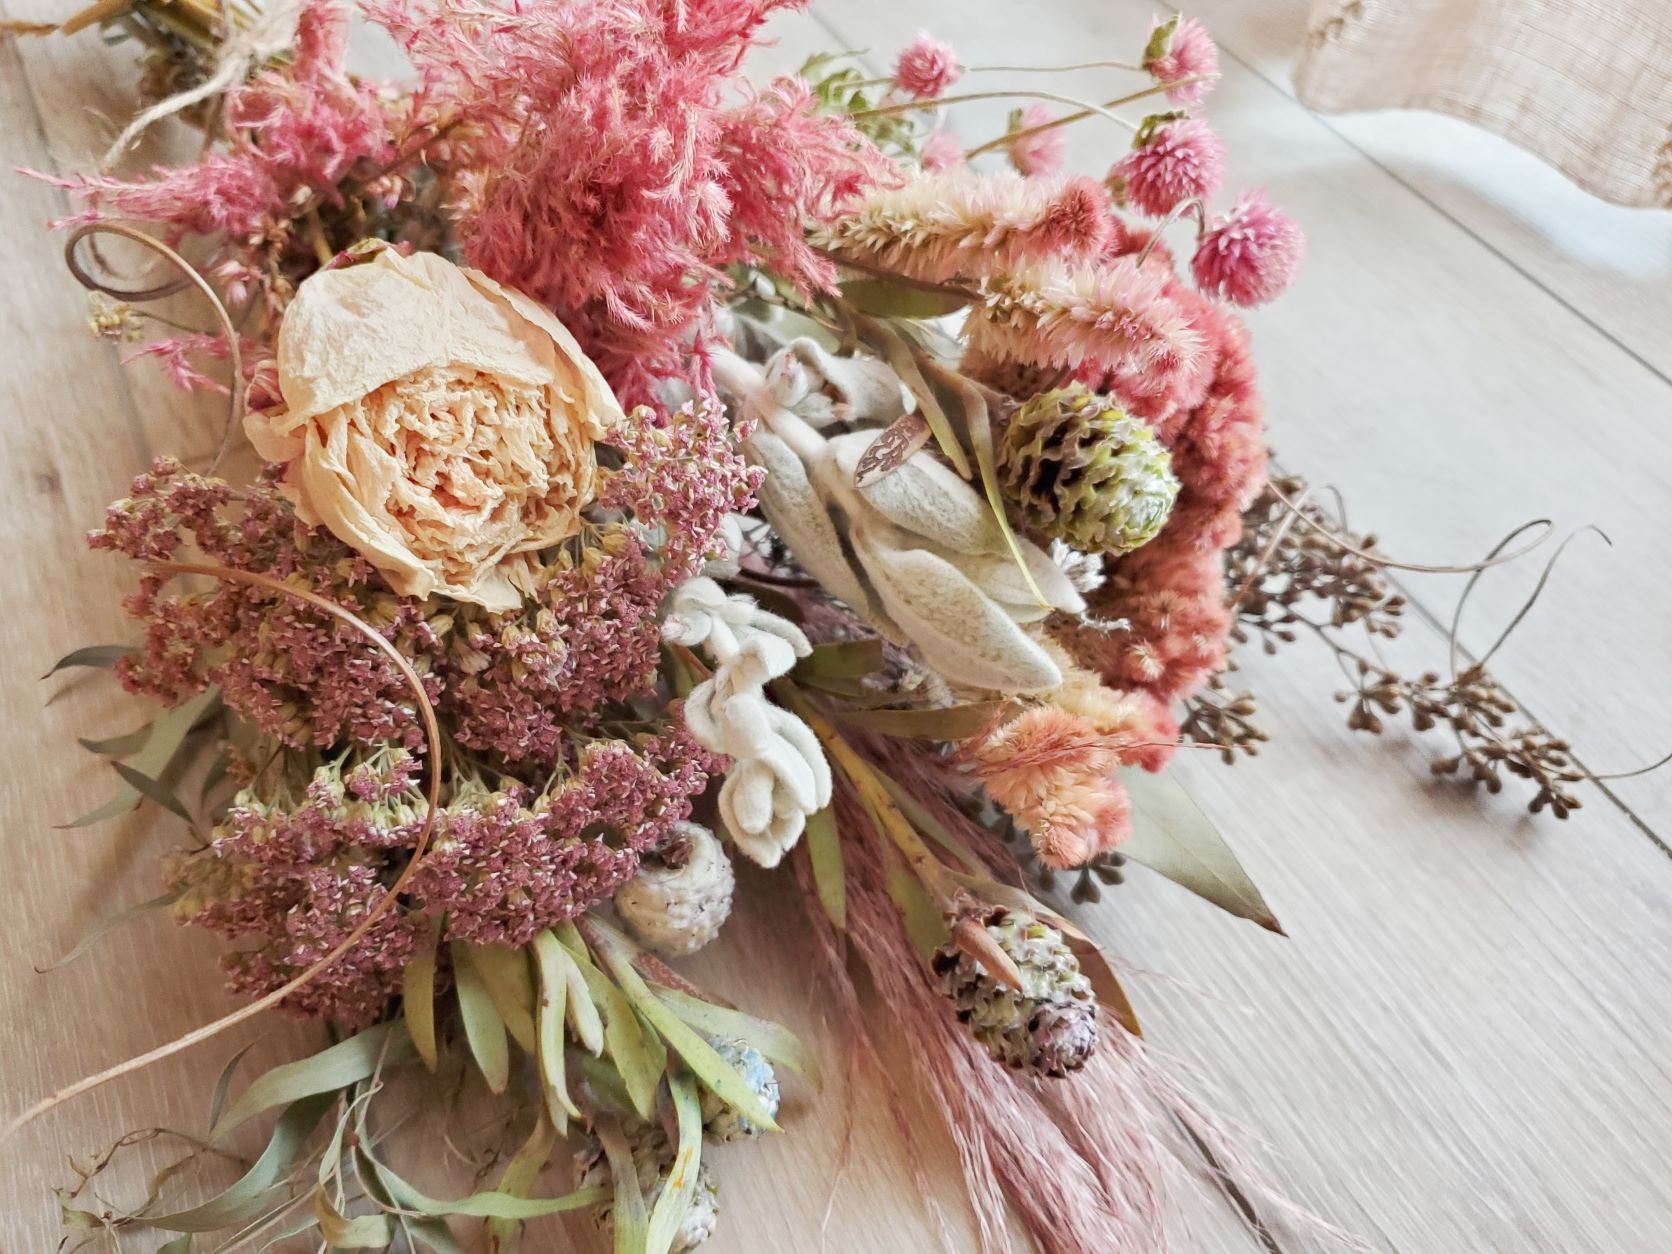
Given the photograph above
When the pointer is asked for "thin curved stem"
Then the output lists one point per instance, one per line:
(189, 277)
(432, 735)
(1193, 204)
(1085, 111)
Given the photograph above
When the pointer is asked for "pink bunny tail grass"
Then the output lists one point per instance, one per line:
(963, 225)
(1114, 319)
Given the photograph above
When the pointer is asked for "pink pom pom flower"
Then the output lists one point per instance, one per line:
(1040, 152)
(1180, 50)
(942, 151)
(926, 68)
(1173, 163)
(1249, 255)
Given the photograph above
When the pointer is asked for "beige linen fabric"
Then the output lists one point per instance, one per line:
(1585, 84)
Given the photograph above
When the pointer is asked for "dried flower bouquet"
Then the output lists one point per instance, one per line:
(660, 470)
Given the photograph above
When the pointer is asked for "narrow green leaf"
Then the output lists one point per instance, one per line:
(260, 1187)
(118, 746)
(364, 1232)
(674, 1200)
(638, 1056)
(1172, 836)
(548, 1022)
(432, 1233)
(517, 1180)
(156, 791)
(181, 1244)
(629, 1214)
(484, 1030)
(100, 656)
(953, 722)
(343, 1064)
(773, 1040)
(418, 995)
(223, 1085)
(506, 976)
(923, 819)
(898, 354)
(924, 922)
(584, 1019)
(980, 430)
(888, 298)
(109, 923)
(824, 851)
(168, 734)
(75, 1217)
(716, 1074)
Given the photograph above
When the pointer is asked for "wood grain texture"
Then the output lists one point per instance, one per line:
(1462, 1046)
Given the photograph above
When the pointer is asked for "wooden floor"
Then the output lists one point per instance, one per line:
(1463, 1045)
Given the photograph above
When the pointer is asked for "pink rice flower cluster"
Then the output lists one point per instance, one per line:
(963, 225)
(926, 68)
(1041, 152)
(1249, 255)
(1174, 163)
(294, 672)
(592, 636)
(621, 161)
(1181, 50)
(1053, 772)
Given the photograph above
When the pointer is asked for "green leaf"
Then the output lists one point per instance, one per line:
(824, 851)
(898, 354)
(259, 1188)
(100, 656)
(844, 659)
(223, 1085)
(674, 1200)
(364, 1232)
(484, 1030)
(343, 1064)
(584, 1019)
(168, 734)
(953, 722)
(74, 1217)
(638, 1056)
(1172, 836)
(118, 746)
(517, 1180)
(924, 821)
(108, 924)
(384, 1185)
(145, 786)
(980, 428)
(418, 995)
(505, 974)
(552, 970)
(772, 1040)
(630, 1215)
(180, 1245)
(925, 923)
(716, 1074)
(892, 298)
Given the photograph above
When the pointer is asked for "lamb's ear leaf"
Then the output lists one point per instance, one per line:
(891, 298)
(1171, 836)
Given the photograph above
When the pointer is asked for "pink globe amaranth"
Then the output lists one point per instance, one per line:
(942, 151)
(1249, 255)
(1178, 161)
(1041, 152)
(1187, 53)
(926, 67)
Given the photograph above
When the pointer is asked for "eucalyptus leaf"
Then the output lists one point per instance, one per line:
(824, 852)
(772, 1040)
(433, 1232)
(118, 746)
(152, 789)
(260, 1187)
(363, 1232)
(418, 995)
(952, 722)
(223, 1085)
(484, 1030)
(517, 1180)
(505, 974)
(674, 1199)
(638, 1056)
(181, 1244)
(98, 656)
(923, 819)
(107, 924)
(168, 733)
(843, 659)
(892, 298)
(924, 922)
(1172, 837)
(345, 1063)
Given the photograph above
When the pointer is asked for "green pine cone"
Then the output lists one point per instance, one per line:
(1049, 1027)
(1084, 471)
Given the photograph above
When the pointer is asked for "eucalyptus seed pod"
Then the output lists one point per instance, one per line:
(1049, 1027)
(680, 897)
(653, 1156)
(719, 1121)
(1084, 471)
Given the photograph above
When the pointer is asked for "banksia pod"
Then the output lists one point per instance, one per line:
(682, 893)
(1048, 1026)
(719, 1121)
(1085, 472)
(653, 1156)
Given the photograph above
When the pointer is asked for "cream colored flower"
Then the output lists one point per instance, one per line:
(436, 422)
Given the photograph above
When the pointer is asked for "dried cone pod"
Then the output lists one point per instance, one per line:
(653, 1156)
(1049, 1027)
(1084, 471)
(720, 1121)
(680, 897)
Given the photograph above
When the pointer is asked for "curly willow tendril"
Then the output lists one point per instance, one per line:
(189, 277)
(432, 796)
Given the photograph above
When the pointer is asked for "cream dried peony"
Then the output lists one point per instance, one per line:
(436, 422)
